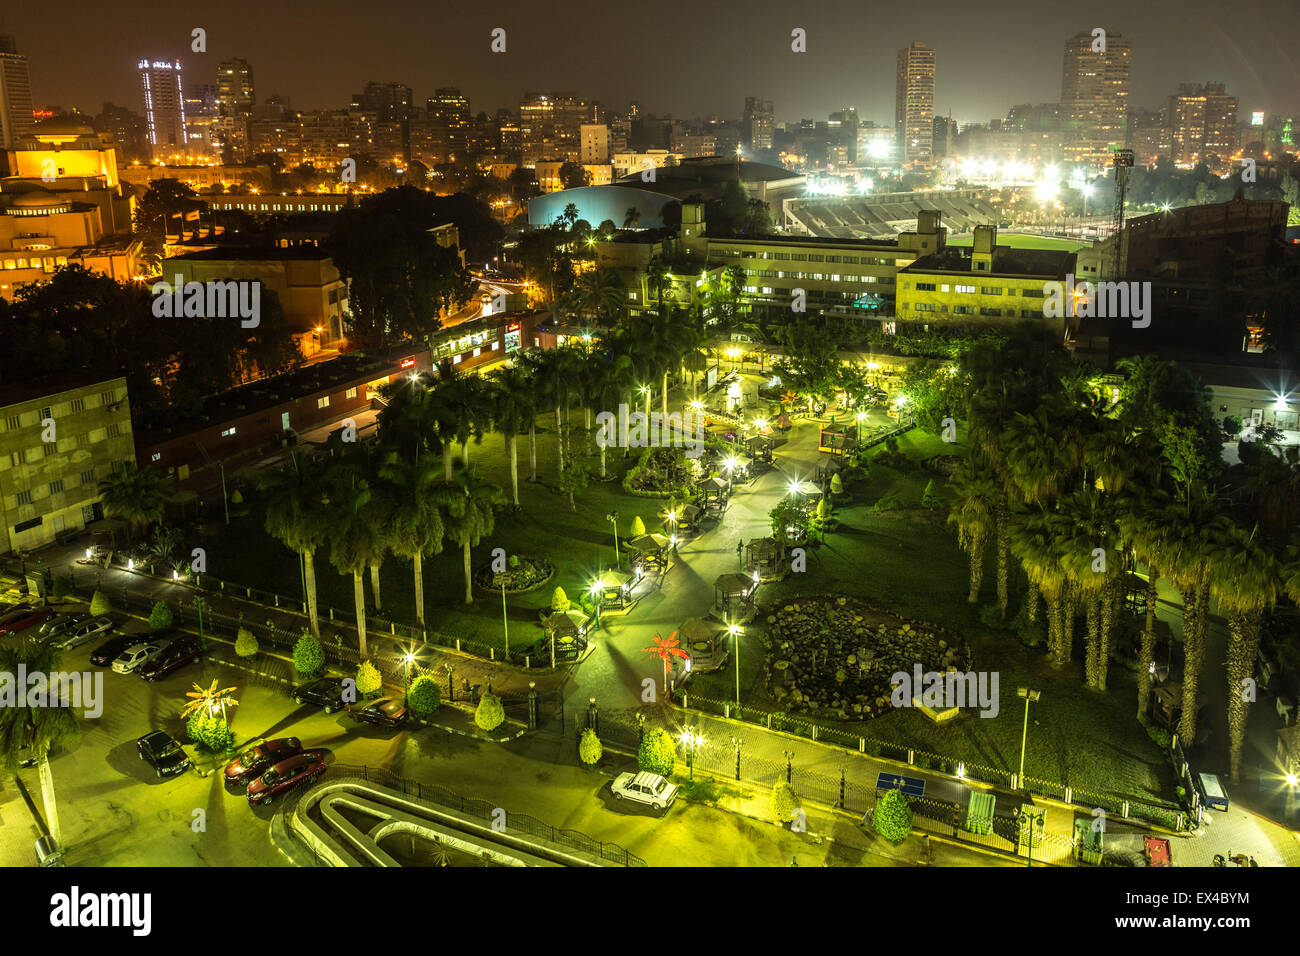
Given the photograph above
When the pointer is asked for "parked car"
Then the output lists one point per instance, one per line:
(57, 627)
(257, 760)
(305, 767)
(84, 633)
(183, 650)
(21, 620)
(324, 692)
(134, 656)
(163, 753)
(385, 712)
(107, 652)
(643, 787)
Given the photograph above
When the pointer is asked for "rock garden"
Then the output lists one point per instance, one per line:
(832, 656)
(522, 573)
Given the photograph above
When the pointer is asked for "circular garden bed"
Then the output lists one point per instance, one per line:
(523, 573)
(834, 656)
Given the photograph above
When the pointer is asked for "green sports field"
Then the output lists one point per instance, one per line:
(1019, 241)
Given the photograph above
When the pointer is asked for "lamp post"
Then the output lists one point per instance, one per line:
(691, 740)
(597, 597)
(737, 743)
(612, 518)
(735, 630)
(789, 766)
(505, 620)
(1034, 817)
(1029, 696)
(198, 606)
(406, 683)
(730, 465)
(225, 501)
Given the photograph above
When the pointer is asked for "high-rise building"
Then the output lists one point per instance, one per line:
(914, 106)
(450, 119)
(1201, 125)
(164, 107)
(595, 144)
(201, 119)
(758, 123)
(235, 91)
(1094, 97)
(15, 94)
(129, 132)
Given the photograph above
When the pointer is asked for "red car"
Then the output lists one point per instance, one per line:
(259, 759)
(306, 767)
(20, 620)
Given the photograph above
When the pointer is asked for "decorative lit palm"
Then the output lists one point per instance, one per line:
(665, 649)
(208, 701)
(789, 398)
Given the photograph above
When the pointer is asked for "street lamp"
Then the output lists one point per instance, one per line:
(1029, 696)
(735, 630)
(789, 766)
(730, 464)
(597, 598)
(612, 518)
(737, 743)
(406, 685)
(691, 740)
(198, 606)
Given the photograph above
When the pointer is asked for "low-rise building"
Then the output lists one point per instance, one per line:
(58, 439)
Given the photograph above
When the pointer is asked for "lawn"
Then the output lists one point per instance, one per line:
(906, 560)
(577, 544)
(1018, 241)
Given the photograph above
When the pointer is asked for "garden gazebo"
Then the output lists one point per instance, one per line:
(705, 642)
(764, 555)
(731, 591)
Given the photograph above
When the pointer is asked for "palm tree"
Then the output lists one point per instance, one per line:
(602, 293)
(470, 516)
(415, 518)
(513, 406)
(355, 536)
(31, 732)
(209, 701)
(972, 515)
(631, 218)
(1245, 580)
(1036, 535)
(296, 516)
(136, 495)
(551, 378)
(413, 421)
(665, 649)
(466, 404)
(1138, 525)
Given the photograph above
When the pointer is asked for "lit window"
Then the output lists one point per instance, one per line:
(351, 393)
(227, 432)
(323, 402)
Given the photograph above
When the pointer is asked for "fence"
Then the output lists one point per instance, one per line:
(487, 811)
(927, 760)
(378, 628)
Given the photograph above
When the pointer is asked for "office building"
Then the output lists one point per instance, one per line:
(914, 106)
(163, 95)
(758, 123)
(1201, 126)
(595, 144)
(1094, 98)
(15, 94)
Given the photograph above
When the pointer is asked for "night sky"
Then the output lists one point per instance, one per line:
(697, 58)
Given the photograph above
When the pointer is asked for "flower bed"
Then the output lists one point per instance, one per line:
(833, 656)
(523, 574)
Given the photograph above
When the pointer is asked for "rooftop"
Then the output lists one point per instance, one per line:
(1007, 261)
(16, 393)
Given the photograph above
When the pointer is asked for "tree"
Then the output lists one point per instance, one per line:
(657, 753)
(415, 519)
(928, 498)
(470, 515)
(355, 536)
(638, 527)
(31, 729)
(296, 516)
(893, 817)
(164, 200)
(972, 513)
(246, 645)
(513, 407)
(209, 730)
(576, 475)
(207, 715)
(490, 713)
(559, 600)
(665, 649)
(589, 749)
(135, 495)
(424, 696)
(308, 656)
(785, 803)
(369, 681)
(100, 605)
(602, 294)
(160, 618)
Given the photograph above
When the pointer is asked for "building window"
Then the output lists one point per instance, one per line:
(56, 486)
(18, 457)
(965, 288)
(24, 497)
(114, 430)
(49, 448)
(227, 432)
(13, 423)
(106, 398)
(78, 405)
(156, 456)
(351, 393)
(994, 313)
(991, 290)
(323, 402)
(88, 476)
(46, 414)
(925, 287)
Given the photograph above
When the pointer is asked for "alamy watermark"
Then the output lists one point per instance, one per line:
(1101, 300)
(56, 689)
(637, 430)
(209, 300)
(944, 691)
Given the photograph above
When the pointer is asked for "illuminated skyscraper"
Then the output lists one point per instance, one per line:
(164, 107)
(1094, 97)
(1201, 126)
(914, 105)
(15, 94)
(759, 122)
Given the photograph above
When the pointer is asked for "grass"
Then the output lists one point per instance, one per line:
(578, 544)
(1018, 241)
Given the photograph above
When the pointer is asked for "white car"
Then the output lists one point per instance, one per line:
(643, 787)
(137, 654)
(83, 632)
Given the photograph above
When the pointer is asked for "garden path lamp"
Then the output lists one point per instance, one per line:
(737, 743)
(198, 606)
(691, 740)
(1029, 696)
(406, 683)
(735, 630)
(612, 518)
(730, 465)
(596, 591)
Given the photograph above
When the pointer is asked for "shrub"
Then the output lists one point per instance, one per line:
(245, 643)
(160, 618)
(209, 730)
(928, 498)
(837, 484)
(369, 682)
(638, 527)
(61, 588)
(489, 714)
(308, 656)
(424, 698)
(893, 817)
(657, 753)
(589, 749)
(513, 561)
(785, 802)
(1158, 735)
(99, 605)
(559, 600)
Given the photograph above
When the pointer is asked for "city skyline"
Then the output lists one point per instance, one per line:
(841, 69)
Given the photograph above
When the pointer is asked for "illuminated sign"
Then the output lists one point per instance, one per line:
(512, 338)
(1257, 118)
(408, 362)
(512, 327)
